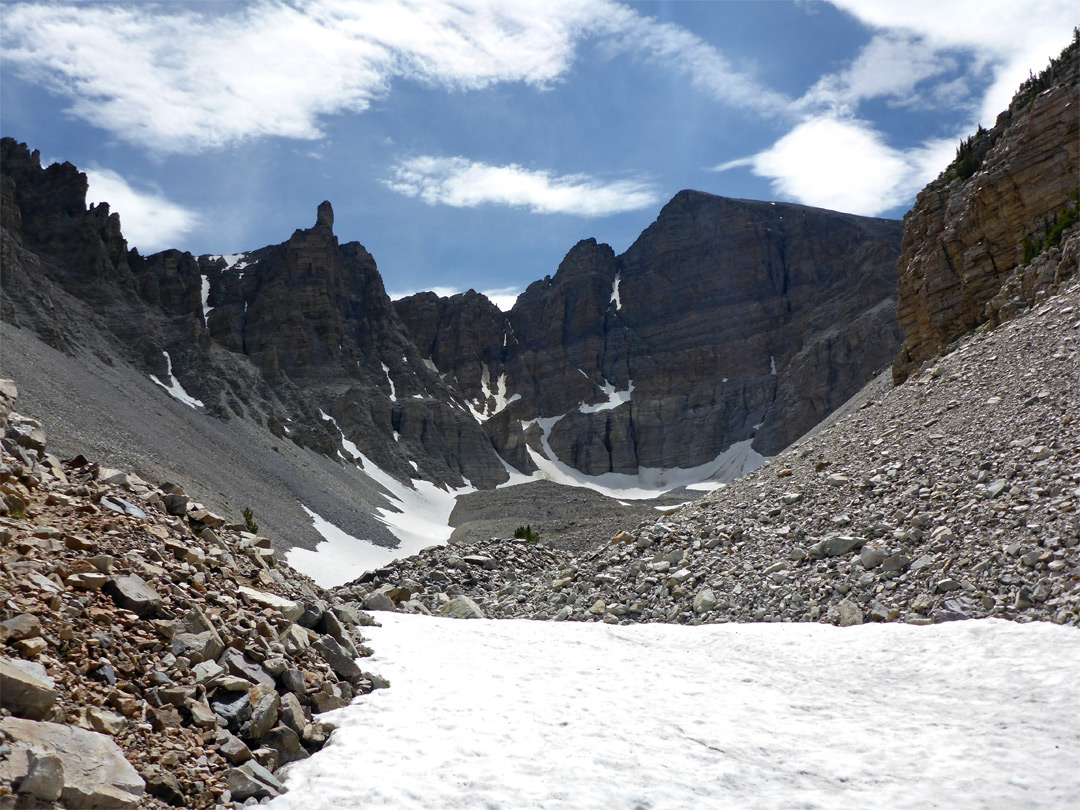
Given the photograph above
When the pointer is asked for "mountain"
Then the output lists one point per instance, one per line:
(984, 240)
(724, 332)
(726, 322)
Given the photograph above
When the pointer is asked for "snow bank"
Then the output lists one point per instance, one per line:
(503, 715)
(174, 388)
(649, 482)
(418, 516)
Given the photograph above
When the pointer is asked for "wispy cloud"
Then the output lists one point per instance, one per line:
(149, 220)
(195, 78)
(463, 183)
(1010, 37)
(835, 158)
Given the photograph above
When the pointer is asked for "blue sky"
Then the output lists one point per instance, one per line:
(472, 143)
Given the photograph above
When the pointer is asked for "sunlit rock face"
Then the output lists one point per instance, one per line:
(976, 244)
(726, 321)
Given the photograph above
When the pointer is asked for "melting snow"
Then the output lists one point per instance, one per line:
(349, 446)
(772, 365)
(616, 299)
(393, 390)
(649, 482)
(510, 714)
(499, 395)
(174, 389)
(418, 516)
(614, 398)
(429, 365)
(206, 297)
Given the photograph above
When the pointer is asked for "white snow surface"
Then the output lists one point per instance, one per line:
(393, 390)
(174, 389)
(348, 444)
(206, 297)
(614, 398)
(503, 715)
(481, 414)
(616, 299)
(649, 482)
(418, 516)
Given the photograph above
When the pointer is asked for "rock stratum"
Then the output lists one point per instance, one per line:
(984, 240)
(728, 329)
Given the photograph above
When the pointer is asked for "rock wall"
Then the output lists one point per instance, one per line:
(962, 260)
(733, 320)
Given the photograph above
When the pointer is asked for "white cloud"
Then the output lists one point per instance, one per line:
(502, 297)
(891, 65)
(1010, 36)
(463, 183)
(149, 220)
(835, 159)
(845, 165)
(182, 80)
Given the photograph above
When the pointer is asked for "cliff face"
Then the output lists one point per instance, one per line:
(726, 321)
(280, 335)
(967, 253)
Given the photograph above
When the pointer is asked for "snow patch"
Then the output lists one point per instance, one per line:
(349, 446)
(393, 390)
(616, 299)
(649, 482)
(174, 389)
(481, 414)
(614, 398)
(418, 515)
(430, 366)
(772, 365)
(206, 298)
(571, 715)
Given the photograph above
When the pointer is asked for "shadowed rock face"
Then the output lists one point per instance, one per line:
(726, 321)
(962, 260)
(732, 319)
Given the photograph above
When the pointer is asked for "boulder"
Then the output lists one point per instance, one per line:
(95, 772)
(25, 689)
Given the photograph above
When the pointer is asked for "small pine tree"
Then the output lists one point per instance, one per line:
(249, 521)
(526, 533)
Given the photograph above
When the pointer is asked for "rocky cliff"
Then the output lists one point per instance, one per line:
(727, 321)
(997, 229)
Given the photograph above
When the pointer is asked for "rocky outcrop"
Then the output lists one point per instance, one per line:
(152, 654)
(897, 510)
(726, 321)
(972, 242)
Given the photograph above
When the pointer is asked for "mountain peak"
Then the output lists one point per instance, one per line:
(325, 216)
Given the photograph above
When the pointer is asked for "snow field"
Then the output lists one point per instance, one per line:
(505, 715)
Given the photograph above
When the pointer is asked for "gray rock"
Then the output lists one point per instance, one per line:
(131, 592)
(292, 713)
(238, 664)
(252, 780)
(232, 707)
(704, 600)
(378, 601)
(44, 776)
(293, 680)
(850, 613)
(339, 660)
(96, 775)
(25, 689)
(462, 607)
(234, 749)
(265, 706)
(198, 647)
(286, 741)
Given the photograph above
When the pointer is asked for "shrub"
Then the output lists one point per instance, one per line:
(249, 521)
(526, 533)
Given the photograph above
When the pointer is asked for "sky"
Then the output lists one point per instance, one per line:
(505, 714)
(472, 143)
